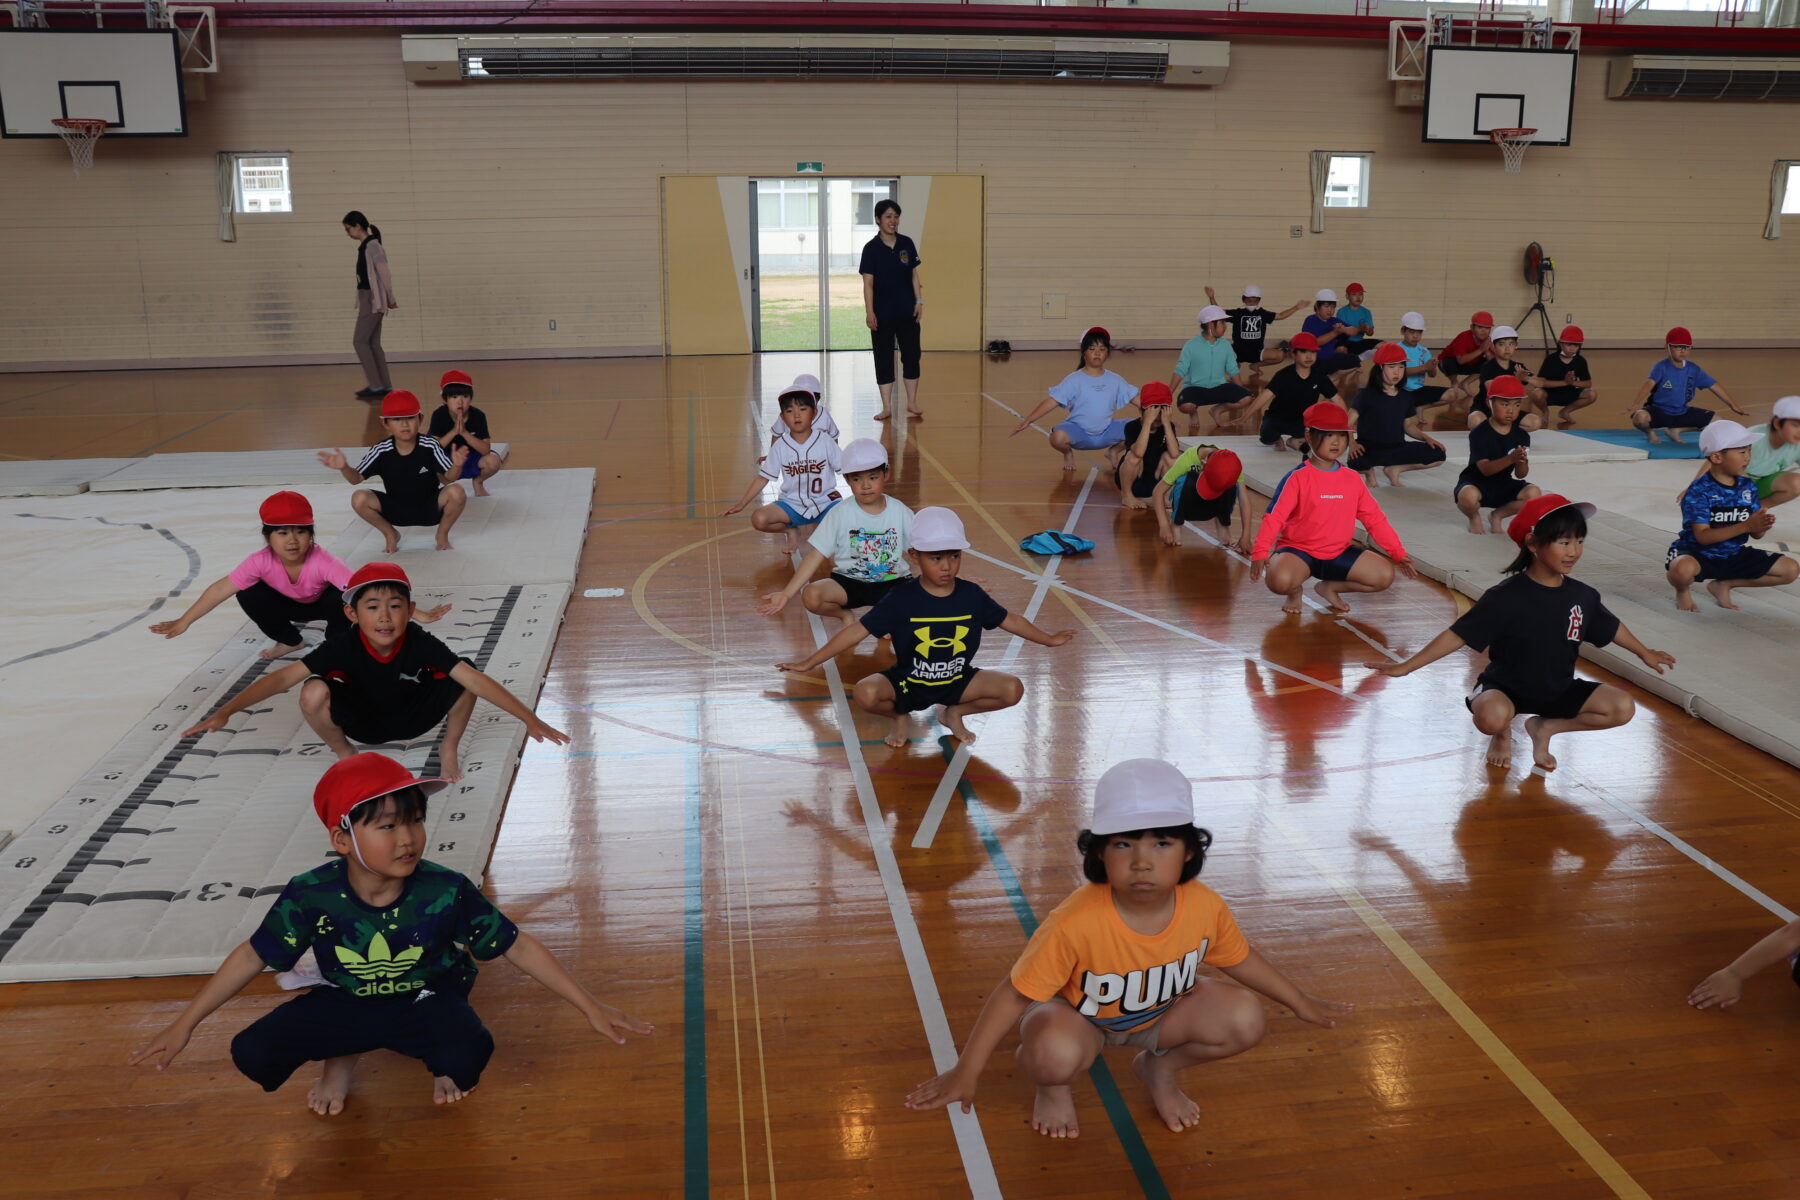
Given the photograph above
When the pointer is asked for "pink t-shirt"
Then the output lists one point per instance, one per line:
(321, 567)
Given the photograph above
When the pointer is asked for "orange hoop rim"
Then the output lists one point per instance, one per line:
(92, 126)
(1503, 135)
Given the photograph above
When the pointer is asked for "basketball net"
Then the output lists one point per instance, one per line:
(1513, 143)
(79, 134)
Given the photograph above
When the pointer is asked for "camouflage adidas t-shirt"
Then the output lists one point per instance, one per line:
(426, 938)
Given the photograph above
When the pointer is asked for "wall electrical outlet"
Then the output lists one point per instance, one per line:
(552, 323)
(1295, 231)
(1568, 318)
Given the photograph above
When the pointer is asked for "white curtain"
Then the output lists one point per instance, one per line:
(1777, 192)
(227, 195)
(1321, 173)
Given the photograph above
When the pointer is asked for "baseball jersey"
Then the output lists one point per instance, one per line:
(416, 476)
(1113, 975)
(807, 471)
(1709, 502)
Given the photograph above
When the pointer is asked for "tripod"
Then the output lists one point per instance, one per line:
(1545, 276)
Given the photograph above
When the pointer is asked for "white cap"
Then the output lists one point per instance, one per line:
(1325, 296)
(1787, 409)
(1252, 292)
(1213, 312)
(864, 454)
(1503, 331)
(937, 529)
(1413, 320)
(1724, 435)
(805, 383)
(1141, 793)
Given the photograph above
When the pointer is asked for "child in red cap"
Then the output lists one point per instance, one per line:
(457, 423)
(396, 938)
(1565, 380)
(292, 578)
(1389, 432)
(1201, 486)
(1291, 390)
(1465, 354)
(1666, 398)
(1499, 457)
(416, 473)
(1092, 394)
(386, 680)
(1312, 517)
(1532, 627)
(1150, 446)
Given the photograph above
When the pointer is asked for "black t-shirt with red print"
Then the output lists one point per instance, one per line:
(1533, 633)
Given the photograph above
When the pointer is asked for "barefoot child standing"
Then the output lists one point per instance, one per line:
(935, 620)
(417, 473)
(1720, 513)
(1117, 964)
(290, 579)
(1312, 517)
(1499, 457)
(1532, 626)
(396, 938)
(865, 540)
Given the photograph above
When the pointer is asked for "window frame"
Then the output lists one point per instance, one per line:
(237, 160)
(1360, 199)
(1790, 196)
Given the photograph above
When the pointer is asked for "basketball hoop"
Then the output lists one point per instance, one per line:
(1512, 143)
(80, 134)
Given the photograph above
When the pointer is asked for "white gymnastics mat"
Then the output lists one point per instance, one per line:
(230, 468)
(57, 476)
(169, 850)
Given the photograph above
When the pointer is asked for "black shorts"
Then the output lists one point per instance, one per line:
(1357, 346)
(363, 723)
(1333, 361)
(1395, 454)
(860, 593)
(1189, 505)
(396, 511)
(1248, 352)
(910, 696)
(1747, 562)
(1557, 397)
(1426, 395)
(1331, 570)
(1688, 418)
(1561, 707)
(1225, 393)
(1275, 428)
(1497, 491)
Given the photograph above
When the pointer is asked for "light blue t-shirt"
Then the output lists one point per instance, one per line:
(1356, 316)
(1416, 356)
(1206, 364)
(1675, 386)
(1093, 399)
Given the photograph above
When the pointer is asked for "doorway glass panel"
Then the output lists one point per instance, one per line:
(789, 259)
(850, 217)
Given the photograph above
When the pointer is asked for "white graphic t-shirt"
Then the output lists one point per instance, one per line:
(864, 546)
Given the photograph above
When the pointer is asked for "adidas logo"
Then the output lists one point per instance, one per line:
(381, 967)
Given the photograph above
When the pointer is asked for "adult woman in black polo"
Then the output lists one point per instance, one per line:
(893, 302)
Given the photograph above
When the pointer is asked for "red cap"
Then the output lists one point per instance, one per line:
(286, 508)
(1303, 341)
(1099, 329)
(1223, 469)
(401, 403)
(1536, 510)
(375, 573)
(1327, 417)
(1154, 394)
(1355, 287)
(1506, 387)
(1482, 318)
(1389, 352)
(451, 377)
(1678, 336)
(359, 779)
(1572, 333)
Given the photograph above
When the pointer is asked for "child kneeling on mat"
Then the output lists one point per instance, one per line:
(1117, 964)
(1201, 486)
(1092, 394)
(385, 680)
(396, 938)
(935, 621)
(1666, 399)
(1389, 434)
(416, 472)
(865, 540)
(1312, 518)
(1720, 513)
(290, 579)
(458, 424)
(805, 459)
(1532, 627)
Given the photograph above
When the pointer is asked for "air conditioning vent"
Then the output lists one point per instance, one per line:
(1649, 77)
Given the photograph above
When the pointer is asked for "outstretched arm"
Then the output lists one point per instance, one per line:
(1643, 394)
(1291, 309)
(774, 602)
(1044, 406)
(1656, 660)
(1005, 1005)
(1260, 975)
(233, 976)
(1718, 389)
(216, 593)
(484, 688)
(1018, 626)
(756, 485)
(1439, 646)
(840, 641)
(532, 957)
(1725, 987)
(274, 683)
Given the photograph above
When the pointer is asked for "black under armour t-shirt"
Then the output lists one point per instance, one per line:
(935, 637)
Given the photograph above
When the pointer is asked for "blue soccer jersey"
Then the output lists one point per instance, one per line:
(1709, 502)
(1676, 386)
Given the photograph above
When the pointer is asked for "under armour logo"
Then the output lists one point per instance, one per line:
(955, 643)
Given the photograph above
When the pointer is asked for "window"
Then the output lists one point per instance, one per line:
(1347, 181)
(260, 184)
(788, 203)
(1790, 199)
(866, 194)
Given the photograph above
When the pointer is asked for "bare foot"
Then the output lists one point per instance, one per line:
(896, 736)
(1721, 591)
(916, 414)
(1174, 1106)
(883, 415)
(1291, 605)
(1328, 592)
(393, 544)
(1393, 476)
(479, 490)
(1542, 761)
(327, 1096)
(1499, 751)
(1219, 413)
(279, 651)
(1053, 1113)
(449, 766)
(1675, 436)
(954, 723)
(445, 1091)
(1494, 522)
(1684, 600)
(443, 541)
(1134, 504)
(1194, 426)
(1655, 437)
(1068, 462)
(1475, 525)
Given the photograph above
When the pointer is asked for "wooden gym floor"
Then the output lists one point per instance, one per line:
(703, 855)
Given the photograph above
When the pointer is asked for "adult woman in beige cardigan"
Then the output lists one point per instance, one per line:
(374, 297)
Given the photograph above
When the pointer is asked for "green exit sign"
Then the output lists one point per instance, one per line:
(812, 168)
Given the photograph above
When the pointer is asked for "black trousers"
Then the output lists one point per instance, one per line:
(442, 1030)
(891, 330)
(275, 613)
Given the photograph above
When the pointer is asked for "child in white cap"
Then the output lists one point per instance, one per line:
(1117, 964)
(1720, 513)
(1421, 365)
(1250, 330)
(804, 459)
(1092, 394)
(822, 419)
(935, 620)
(865, 540)
(1207, 373)
(1502, 348)
(1775, 456)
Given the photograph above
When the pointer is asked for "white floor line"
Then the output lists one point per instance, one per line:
(1015, 412)
(953, 772)
(978, 1166)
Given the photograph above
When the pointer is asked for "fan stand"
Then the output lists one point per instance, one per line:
(1543, 316)
(1539, 271)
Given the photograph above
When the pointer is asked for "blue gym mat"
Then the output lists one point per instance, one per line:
(1636, 440)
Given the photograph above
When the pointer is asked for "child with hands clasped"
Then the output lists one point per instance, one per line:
(1092, 394)
(935, 621)
(1720, 513)
(865, 540)
(1312, 517)
(385, 680)
(1151, 444)
(1117, 964)
(1532, 627)
(805, 460)
(458, 424)
(1499, 457)
(416, 472)
(290, 579)
(1666, 398)
(396, 938)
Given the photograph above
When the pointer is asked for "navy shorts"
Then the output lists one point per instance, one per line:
(471, 465)
(1224, 393)
(1562, 707)
(1688, 418)
(1747, 562)
(1331, 570)
(1497, 490)
(912, 696)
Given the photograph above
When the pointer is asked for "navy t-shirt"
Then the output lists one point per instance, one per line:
(442, 422)
(1487, 443)
(1319, 327)
(935, 637)
(892, 268)
(1381, 418)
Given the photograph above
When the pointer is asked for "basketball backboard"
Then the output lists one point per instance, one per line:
(1470, 91)
(129, 78)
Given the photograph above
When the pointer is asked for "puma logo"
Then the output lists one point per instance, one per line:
(417, 676)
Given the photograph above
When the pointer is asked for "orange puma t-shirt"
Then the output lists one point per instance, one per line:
(1115, 976)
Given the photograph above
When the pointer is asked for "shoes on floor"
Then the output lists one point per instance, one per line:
(372, 393)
